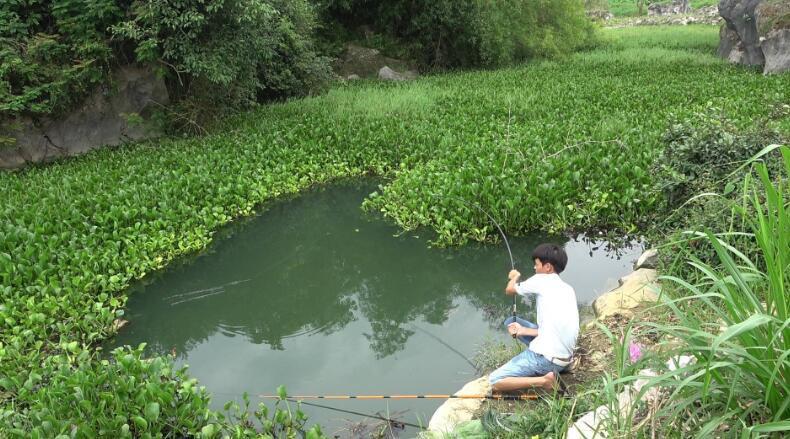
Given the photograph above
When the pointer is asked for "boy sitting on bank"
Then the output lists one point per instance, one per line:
(550, 342)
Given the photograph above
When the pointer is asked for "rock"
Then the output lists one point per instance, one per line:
(591, 425)
(117, 324)
(776, 48)
(728, 39)
(104, 118)
(648, 259)
(456, 411)
(635, 289)
(366, 63)
(675, 7)
(772, 15)
(352, 77)
(388, 74)
(740, 18)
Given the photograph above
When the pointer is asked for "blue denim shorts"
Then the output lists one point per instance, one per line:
(525, 364)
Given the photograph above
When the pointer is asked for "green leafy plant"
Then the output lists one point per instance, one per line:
(215, 55)
(733, 323)
(75, 233)
(469, 33)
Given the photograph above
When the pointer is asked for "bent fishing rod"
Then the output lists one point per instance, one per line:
(501, 232)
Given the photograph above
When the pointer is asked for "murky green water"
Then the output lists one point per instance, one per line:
(323, 298)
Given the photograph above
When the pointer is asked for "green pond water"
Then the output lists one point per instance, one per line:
(319, 296)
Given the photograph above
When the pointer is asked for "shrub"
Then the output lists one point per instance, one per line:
(704, 149)
(448, 33)
(215, 54)
(53, 52)
(128, 396)
(733, 322)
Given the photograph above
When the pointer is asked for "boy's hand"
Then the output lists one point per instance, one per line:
(514, 274)
(514, 329)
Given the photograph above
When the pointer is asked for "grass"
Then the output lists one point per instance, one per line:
(558, 145)
(628, 8)
(732, 320)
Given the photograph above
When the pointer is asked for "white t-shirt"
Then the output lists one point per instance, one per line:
(558, 316)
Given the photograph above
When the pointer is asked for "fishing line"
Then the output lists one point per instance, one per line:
(501, 232)
(447, 345)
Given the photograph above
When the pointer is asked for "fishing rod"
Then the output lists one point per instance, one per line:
(394, 422)
(501, 232)
(522, 397)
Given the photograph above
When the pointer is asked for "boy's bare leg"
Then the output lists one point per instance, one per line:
(510, 384)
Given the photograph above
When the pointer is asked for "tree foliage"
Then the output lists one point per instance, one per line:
(52, 52)
(231, 52)
(449, 33)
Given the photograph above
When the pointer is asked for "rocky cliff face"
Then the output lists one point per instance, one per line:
(109, 116)
(756, 33)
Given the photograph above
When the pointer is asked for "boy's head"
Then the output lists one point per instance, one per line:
(549, 258)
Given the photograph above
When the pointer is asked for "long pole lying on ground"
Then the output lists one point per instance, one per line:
(528, 396)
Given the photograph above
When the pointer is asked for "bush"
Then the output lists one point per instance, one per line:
(448, 33)
(703, 150)
(732, 321)
(215, 54)
(128, 396)
(53, 52)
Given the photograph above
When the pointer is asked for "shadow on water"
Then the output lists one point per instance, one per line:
(315, 294)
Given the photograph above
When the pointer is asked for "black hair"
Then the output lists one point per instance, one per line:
(552, 254)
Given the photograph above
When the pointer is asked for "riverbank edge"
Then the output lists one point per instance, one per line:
(634, 291)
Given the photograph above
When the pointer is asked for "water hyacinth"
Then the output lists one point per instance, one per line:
(546, 146)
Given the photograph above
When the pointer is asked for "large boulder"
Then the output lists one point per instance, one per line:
(756, 33)
(635, 290)
(457, 411)
(728, 39)
(776, 47)
(109, 116)
(773, 25)
(740, 19)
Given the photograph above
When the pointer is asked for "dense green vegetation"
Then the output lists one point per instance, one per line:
(620, 8)
(550, 145)
(223, 55)
(739, 365)
(450, 33)
(214, 53)
(726, 311)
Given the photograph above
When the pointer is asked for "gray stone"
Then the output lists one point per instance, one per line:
(457, 411)
(648, 259)
(728, 40)
(366, 62)
(776, 48)
(352, 77)
(635, 290)
(740, 18)
(387, 74)
(675, 7)
(109, 116)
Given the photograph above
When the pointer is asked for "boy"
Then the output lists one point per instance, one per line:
(550, 342)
